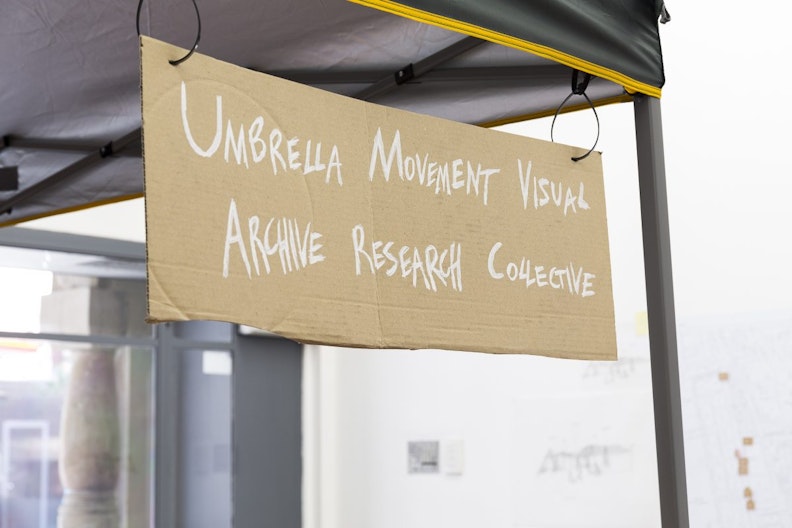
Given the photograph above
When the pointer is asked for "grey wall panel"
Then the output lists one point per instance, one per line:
(267, 433)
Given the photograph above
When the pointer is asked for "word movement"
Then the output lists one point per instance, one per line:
(442, 177)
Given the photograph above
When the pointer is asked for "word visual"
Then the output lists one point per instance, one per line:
(546, 192)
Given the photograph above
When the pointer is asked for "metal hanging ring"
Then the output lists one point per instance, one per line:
(578, 89)
(197, 37)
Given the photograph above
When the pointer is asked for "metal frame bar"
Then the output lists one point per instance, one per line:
(65, 145)
(392, 81)
(175, 343)
(25, 238)
(479, 74)
(660, 305)
(66, 173)
(82, 338)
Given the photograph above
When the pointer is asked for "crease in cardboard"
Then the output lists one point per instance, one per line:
(160, 289)
(277, 327)
(377, 283)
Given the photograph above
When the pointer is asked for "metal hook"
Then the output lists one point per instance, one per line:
(578, 88)
(197, 37)
(665, 16)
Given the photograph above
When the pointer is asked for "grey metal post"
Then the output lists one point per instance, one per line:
(267, 433)
(167, 422)
(660, 305)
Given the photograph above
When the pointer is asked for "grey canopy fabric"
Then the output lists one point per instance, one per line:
(69, 93)
(613, 39)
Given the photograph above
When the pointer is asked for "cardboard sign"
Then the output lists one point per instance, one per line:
(329, 220)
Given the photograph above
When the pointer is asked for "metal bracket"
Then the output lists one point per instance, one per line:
(75, 168)
(9, 178)
(404, 75)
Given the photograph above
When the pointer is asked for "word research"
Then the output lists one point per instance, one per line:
(296, 249)
(436, 267)
(285, 154)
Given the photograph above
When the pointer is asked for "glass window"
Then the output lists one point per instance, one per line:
(66, 293)
(76, 394)
(75, 433)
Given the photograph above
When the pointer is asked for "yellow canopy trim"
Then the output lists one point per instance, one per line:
(629, 84)
(72, 209)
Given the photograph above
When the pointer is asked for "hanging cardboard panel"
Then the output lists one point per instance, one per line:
(329, 220)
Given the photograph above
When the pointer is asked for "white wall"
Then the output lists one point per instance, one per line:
(123, 220)
(508, 411)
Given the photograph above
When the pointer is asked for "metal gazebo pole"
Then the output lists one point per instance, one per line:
(660, 305)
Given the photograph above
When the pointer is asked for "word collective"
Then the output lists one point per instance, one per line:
(436, 267)
(457, 176)
(545, 192)
(571, 278)
(295, 248)
(285, 154)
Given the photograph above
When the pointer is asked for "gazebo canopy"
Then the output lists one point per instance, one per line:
(70, 102)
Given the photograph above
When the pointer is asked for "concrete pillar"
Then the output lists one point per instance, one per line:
(90, 445)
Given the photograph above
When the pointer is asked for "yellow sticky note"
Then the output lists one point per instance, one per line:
(641, 324)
